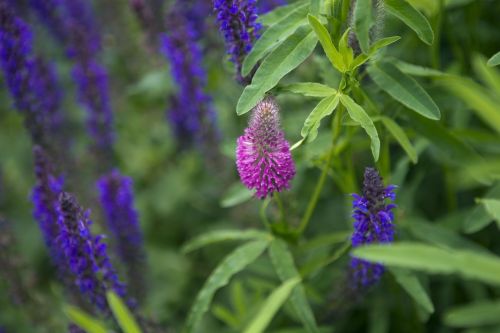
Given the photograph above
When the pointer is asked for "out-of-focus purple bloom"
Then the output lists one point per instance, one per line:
(31, 81)
(237, 22)
(51, 13)
(191, 113)
(265, 6)
(372, 224)
(45, 199)
(263, 156)
(117, 200)
(92, 81)
(73, 24)
(85, 255)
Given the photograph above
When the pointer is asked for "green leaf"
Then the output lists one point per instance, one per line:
(493, 208)
(411, 284)
(476, 97)
(411, 17)
(235, 195)
(358, 114)
(345, 50)
(277, 14)
(324, 38)
(403, 89)
(440, 236)
(223, 236)
(235, 262)
(362, 58)
(315, 6)
(398, 133)
(122, 314)
(488, 75)
(271, 306)
(284, 265)
(286, 57)
(363, 21)
(473, 315)
(479, 266)
(274, 35)
(494, 60)
(310, 89)
(324, 108)
(416, 70)
(480, 218)
(84, 320)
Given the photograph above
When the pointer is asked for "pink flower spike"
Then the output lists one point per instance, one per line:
(263, 156)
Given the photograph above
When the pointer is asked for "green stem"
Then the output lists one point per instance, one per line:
(263, 214)
(279, 202)
(337, 123)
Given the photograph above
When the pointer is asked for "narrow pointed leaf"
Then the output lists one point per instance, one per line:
(284, 265)
(310, 89)
(476, 97)
(493, 208)
(474, 314)
(359, 115)
(363, 21)
(274, 35)
(494, 60)
(404, 89)
(479, 217)
(286, 57)
(84, 320)
(122, 314)
(431, 259)
(235, 262)
(324, 38)
(271, 306)
(381, 43)
(222, 236)
(235, 195)
(324, 108)
(411, 17)
(411, 284)
(398, 133)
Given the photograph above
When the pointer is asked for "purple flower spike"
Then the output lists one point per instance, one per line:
(117, 200)
(373, 224)
(191, 113)
(237, 22)
(31, 81)
(263, 156)
(85, 255)
(45, 199)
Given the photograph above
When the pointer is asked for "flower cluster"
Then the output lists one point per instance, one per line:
(263, 156)
(373, 224)
(72, 23)
(31, 81)
(45, 199)
(191, 112)
(237, 22)
(117, 200)
(85, 255)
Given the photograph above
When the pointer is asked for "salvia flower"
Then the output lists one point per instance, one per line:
(73, 24)
(238, 24)
(373, 223)
(31, 81)
(45, 198)
(85, 255)
(263, 156)
(191, 113)
(117, 200)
